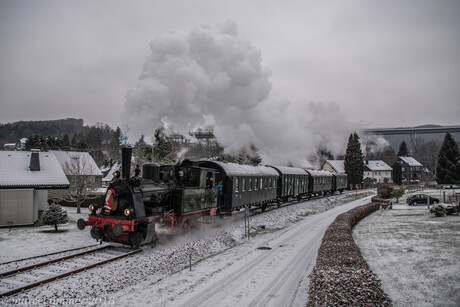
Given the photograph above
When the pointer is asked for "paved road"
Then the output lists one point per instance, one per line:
(248, 276)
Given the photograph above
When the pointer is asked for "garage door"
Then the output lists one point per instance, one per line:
(16, 207)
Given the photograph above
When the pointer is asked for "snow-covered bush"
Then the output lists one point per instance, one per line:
(54, 215)
(438, 210)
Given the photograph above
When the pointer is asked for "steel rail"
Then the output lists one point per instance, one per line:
(46, 255)
(37, 265)
(66, 274)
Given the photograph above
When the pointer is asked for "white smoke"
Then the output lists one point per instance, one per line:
(212, 76)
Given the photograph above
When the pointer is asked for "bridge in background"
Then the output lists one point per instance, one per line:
(412, 135)
(413, 130)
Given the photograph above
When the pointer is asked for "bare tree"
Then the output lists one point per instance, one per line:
(78, 171)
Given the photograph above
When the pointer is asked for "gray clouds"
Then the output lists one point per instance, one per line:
(377, 61)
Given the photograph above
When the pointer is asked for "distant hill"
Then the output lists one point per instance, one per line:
(12, 132)
(428, 126)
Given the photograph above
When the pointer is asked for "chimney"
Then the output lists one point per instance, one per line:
(34, 165)
(126, 153)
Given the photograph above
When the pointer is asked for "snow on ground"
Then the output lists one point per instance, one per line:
(227, 268)
(413, 253)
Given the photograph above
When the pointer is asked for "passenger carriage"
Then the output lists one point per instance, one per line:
(339, 182)
(244, 185)
(319, 182)
(292, 182)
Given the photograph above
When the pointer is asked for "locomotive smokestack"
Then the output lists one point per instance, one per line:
(126, 153)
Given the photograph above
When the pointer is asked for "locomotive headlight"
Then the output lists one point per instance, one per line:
(91, 208)
(127, 212)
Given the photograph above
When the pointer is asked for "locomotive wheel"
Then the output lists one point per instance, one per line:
(135, 238)
(185, 223)
(96, 233)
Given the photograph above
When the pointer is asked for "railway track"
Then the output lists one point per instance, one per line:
(25, 277)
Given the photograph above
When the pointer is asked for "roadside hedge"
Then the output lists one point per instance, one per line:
(341, 276)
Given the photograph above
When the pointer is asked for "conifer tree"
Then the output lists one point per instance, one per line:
(142, 151)
(403, 151)
(163, 149)
(65, 142)
(354, 160)
(397, 173)
(448, 167)
(55, 215)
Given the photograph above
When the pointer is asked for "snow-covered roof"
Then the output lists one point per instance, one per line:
(77, 163)
(411, 161)
(317, 173)
(115, 167)
(337, 165)
(307, 165)
(285, 170)
(377, 165)
(15, 172)
(234, 169)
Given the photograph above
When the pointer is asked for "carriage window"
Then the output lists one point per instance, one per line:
(256, 183)
(261, 183)
(236, 185)
(243, 186)
(250, 184)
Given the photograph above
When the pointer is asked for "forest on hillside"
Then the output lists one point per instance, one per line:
(65, 134)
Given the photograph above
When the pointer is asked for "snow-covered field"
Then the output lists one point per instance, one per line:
(227, 268)
(415, 254)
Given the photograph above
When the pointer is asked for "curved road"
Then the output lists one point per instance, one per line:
(268, 271)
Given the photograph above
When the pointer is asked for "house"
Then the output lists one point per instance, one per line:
(78, 165)
(377, 171)
(116, 166)
(334, 166)
(25, 178)
(374, 170)
(411, 169)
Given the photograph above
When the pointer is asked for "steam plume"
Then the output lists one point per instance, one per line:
(212, 76)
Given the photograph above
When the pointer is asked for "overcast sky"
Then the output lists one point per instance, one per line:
(381, 63)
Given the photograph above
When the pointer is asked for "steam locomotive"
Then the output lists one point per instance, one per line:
(179, 195)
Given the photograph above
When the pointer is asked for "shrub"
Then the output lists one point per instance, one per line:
(397, 193)
(438, 210)
(384, 192)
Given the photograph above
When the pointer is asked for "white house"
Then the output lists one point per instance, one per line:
(77, 164)
(334, 166)
(377, 171)
(25, 178)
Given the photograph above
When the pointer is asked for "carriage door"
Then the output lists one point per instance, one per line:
(211, 190)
